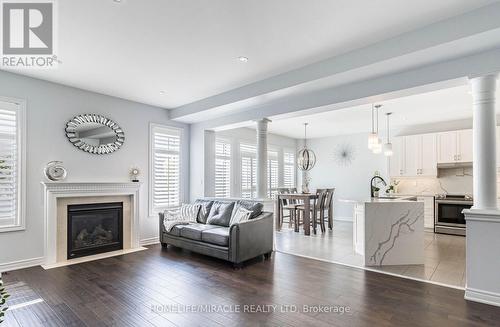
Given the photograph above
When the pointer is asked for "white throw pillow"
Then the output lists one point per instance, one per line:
(187, 212)
(240, 215)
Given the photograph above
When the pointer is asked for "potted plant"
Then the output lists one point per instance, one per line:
(376, 191)
(3, 300)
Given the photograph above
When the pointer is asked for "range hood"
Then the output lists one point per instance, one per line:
(455, 165)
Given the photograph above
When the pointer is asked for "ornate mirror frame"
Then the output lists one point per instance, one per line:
(71, 133)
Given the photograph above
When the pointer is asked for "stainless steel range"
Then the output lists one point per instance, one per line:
(449, 218)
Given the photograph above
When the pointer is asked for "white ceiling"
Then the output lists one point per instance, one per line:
(426, 108)
(189, 49)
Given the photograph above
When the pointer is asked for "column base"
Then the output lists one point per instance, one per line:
(482, 259)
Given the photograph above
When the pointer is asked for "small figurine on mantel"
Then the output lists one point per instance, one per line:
(134, 174)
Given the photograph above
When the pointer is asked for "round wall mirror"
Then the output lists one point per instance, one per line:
(95, 134)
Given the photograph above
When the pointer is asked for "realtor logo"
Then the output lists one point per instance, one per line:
(28, 34)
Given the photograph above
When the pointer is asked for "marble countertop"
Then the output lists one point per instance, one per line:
(380, 199)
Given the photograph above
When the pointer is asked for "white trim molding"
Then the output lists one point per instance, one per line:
(150, 241)
(481, 296)
(56, 190)
(21, 264)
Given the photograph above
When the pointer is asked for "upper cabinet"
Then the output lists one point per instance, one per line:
(455, 146)
(414, 155)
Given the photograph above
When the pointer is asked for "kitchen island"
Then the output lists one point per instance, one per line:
(389, 231)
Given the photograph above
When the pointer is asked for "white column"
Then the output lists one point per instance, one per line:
(262, 158)
(484, 139)
(483, 220)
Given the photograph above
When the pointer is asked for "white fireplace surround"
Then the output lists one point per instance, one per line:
(56, 190)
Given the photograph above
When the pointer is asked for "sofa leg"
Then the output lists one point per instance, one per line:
(164, 245)
(237, 266)
(267, 255)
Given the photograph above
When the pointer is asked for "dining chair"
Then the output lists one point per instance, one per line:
(288, 205)
(317, 207)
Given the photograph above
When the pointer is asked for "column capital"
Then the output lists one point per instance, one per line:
(483, 88)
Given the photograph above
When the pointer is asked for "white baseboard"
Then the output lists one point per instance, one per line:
(21, 264)
(150, 241)
(472, 294)
(347, 218)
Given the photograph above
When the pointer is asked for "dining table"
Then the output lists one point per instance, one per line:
(306, 199)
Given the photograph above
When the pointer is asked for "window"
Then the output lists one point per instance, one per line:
(165, 171)
(272, 173)
(248, 171)
(289, 169)
(12, 172)
(222, 169)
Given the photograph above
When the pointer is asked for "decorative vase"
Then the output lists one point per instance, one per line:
(305, 188)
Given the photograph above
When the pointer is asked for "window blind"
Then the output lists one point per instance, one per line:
(289, 169)
(222, 169)
(9, 165)
(248, 171)
(272, 174)
(166, 151)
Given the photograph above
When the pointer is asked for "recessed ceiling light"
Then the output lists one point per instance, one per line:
(162, 92)
(243, 59)
(117, 1)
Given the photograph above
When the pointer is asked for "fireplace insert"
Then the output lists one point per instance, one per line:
(94, 228)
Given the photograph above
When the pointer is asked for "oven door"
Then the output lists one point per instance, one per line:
(449, 213)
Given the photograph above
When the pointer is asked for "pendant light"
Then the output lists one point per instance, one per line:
(377, 146)
(373, 137)
(388, 145)
(306, 159)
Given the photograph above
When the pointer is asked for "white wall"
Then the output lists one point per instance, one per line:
(49, 107)
(351, 182)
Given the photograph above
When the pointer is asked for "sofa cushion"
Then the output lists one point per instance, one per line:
(220, 213)
(254, 206)
(176, 230)
(206, 205)
(193, 231)
(217, 236)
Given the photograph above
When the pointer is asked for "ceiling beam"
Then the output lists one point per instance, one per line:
(460, 27)
(423, 79)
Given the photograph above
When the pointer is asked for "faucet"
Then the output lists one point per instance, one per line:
(371, 183)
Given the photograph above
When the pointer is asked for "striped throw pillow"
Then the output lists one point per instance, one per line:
(240, 215)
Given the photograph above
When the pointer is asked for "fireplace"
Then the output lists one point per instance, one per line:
(94, 228)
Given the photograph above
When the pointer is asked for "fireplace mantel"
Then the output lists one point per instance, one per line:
(52, 191)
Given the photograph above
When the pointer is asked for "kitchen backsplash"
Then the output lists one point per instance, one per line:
(450, 180)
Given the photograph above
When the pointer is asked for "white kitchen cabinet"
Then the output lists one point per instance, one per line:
(411, 155)
(455, 146)
(464, 153)
(396, 161)
(359, 228)
(428, 210)
(447, 147)
(414, 155)
(427, 155)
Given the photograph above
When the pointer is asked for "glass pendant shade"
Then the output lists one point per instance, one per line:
(377, 148)
(372, 140)
(306, 159)
(388, 149)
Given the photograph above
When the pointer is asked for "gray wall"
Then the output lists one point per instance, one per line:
(49, 107)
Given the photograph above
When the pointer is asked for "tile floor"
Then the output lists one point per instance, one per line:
(444, 254)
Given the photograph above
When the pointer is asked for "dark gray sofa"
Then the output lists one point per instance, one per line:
(236, 243)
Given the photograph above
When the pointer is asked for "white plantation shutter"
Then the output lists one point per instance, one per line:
(222, 169)
(272, 173)
(248, 171)
(289, 169)
(166, 154)
(11, 121)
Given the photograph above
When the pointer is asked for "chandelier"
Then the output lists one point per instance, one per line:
(306, 159)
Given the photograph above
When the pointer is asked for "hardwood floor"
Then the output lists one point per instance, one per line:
(121, 291)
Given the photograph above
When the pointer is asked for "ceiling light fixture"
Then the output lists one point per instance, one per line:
(162, 92)
(373, 137)
(243, 59)
(388, 146)
(306, 159)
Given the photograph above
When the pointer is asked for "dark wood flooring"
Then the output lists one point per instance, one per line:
(121, 291)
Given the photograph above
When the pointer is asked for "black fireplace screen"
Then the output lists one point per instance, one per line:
(94, 228)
